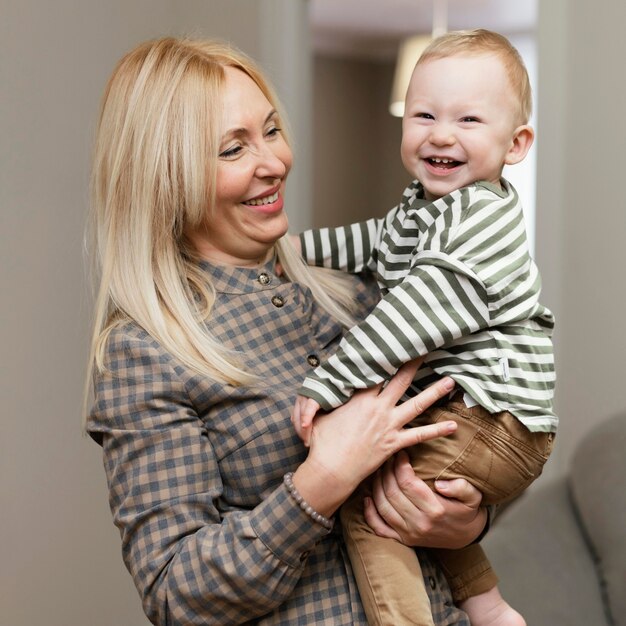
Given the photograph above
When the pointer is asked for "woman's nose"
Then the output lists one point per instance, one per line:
(269, 163)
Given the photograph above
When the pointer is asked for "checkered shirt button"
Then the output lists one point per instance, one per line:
(278, 301)
(264, 278)
(313, 360)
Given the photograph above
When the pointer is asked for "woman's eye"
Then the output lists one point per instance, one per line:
(273, 131)
(230, 153)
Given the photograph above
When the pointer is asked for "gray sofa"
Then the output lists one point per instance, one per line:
(560, 550)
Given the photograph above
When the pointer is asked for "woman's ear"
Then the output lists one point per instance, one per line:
(523, 137)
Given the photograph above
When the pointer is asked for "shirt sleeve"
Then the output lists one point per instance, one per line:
(353, 248)
(190, 563)
(347, 248)
(440, 300)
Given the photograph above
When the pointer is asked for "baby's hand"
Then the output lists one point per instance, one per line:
(304, 411)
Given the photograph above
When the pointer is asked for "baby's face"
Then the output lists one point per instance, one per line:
(459, 124)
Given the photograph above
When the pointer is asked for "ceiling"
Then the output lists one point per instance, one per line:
(373, 28)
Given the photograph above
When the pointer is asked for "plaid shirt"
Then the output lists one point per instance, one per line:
(195, 468)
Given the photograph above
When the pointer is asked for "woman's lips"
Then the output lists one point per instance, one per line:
(271, 203)
(263, 200)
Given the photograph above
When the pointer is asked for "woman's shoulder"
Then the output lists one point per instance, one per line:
(129, 347)
(136, 372)
(126, 334)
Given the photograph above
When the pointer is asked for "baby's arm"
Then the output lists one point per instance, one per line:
(346, 248)
(304, 411)
(435, 304)
(352, 248)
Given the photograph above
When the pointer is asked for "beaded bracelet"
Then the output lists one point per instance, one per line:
(304, 505)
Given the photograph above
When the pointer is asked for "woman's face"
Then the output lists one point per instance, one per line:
(253, 163)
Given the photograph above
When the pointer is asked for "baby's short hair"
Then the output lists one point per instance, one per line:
(482, 41)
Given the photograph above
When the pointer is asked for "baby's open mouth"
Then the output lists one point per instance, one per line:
(445, 164)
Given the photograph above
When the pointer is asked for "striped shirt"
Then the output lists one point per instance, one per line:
(459, 287)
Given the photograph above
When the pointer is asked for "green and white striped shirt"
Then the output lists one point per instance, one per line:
(460, 287)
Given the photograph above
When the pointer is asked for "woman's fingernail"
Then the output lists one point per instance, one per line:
(449, 383)
(441, 484)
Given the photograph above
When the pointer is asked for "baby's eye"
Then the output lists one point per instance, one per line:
(231, 153)
(425, 116)
(470, 118)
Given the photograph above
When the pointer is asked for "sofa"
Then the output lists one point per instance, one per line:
(560, 550)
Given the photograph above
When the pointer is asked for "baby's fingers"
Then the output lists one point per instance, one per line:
(296, 417)
(308, 409)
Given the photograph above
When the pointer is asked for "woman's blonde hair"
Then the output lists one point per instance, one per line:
(482, 41)
(154, 174)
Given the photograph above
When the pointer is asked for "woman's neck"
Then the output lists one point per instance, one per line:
(218, 257)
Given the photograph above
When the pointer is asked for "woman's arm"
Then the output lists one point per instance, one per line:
(352, 441)
(191, 562)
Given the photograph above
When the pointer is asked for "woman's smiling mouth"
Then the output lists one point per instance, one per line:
(262, 201)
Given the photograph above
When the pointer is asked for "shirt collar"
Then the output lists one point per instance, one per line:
(239, 280)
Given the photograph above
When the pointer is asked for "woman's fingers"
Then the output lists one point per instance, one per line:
(419, 434)
(401, 380)
(416, 405)
(392, 504)
(382, 494)
(376, 522)
(428, 519)
(459, 489)
(370, 428)
(295, 418)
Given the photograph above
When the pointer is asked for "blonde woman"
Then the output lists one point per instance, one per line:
(199, 347)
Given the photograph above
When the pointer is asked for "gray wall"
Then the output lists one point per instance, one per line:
(357, 170)
(61, 562)
(581, 213)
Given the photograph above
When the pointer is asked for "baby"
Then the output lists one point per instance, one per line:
(460, 289)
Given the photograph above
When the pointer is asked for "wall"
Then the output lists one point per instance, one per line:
(357, 170)
(581, 218)
(61, 562)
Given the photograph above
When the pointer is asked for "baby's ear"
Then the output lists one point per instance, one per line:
(523, 137)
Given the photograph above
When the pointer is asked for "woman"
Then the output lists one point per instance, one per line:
(199, 347)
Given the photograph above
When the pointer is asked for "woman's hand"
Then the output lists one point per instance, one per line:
(349, 443)
(405, 508)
